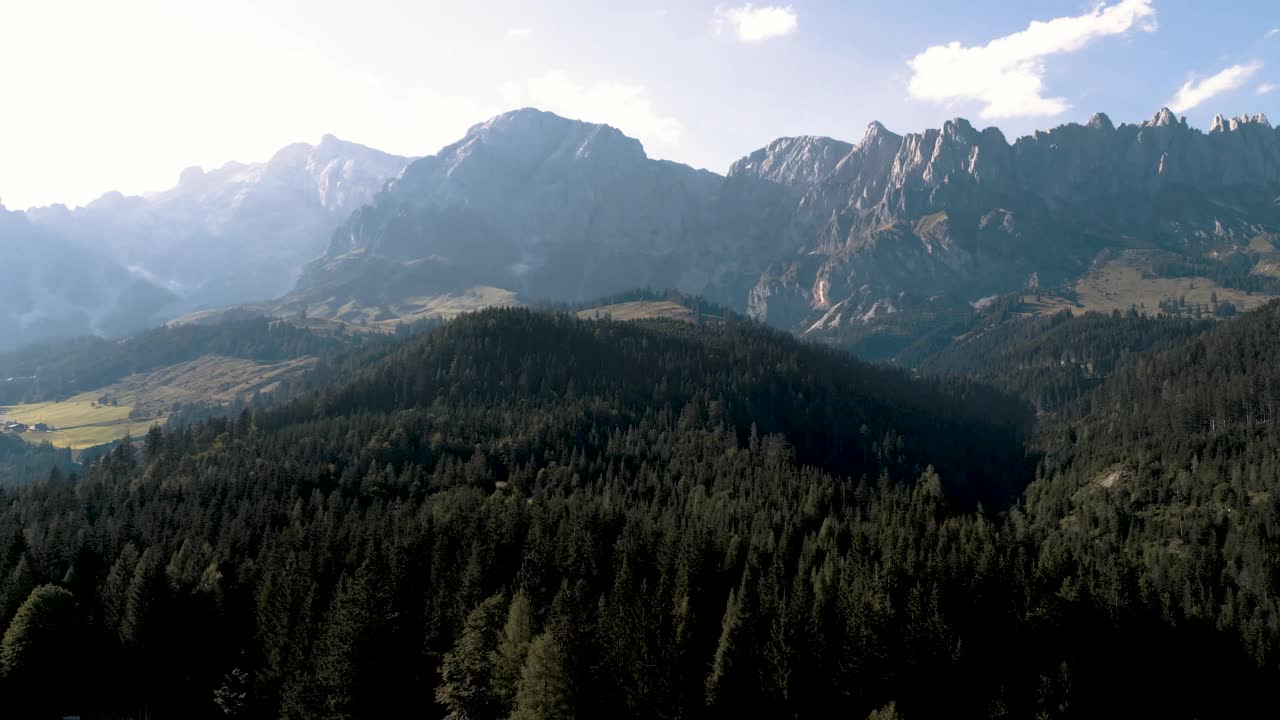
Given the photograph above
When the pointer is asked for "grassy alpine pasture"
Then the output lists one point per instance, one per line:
(131, 406)
(640, 310)
(1127, 281)
(80, 421)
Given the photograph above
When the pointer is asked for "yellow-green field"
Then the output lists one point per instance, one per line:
(79, 421)
(639, 310)
(445, 306)
(1265, 243)
(643, 310)
(1127, 281)
(82, 421)
(332, 316)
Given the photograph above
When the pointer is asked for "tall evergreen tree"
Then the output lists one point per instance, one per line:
(466, 675)
(545, 689)
(513, 649)
(39, 655)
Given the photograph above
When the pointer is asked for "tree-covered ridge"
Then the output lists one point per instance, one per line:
(1159, 454)
(537, 516)
(56, 369)
(1174, 462)
(525, 375)
(1054, 359)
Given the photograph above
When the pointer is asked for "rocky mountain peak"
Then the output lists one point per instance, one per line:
(1164, 118)
(292, 155)
(529, 131)
(796, 161)
(1100, 121)
(960, 129)
(1221, 124)
(876, 132)
(993, 135)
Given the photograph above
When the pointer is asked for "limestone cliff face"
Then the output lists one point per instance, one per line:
(959, 210)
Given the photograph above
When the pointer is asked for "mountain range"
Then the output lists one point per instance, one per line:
(234, 234)
(811, 234)
(827, 238)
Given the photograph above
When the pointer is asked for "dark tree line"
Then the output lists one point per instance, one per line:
(1233, 270)
(20, 461)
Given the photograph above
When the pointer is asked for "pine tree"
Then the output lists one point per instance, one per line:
(346, 653)
(38, 647)
(508, 661)
(140, 626)
(724, 668)
(16, 589)
(115, 589)
(284, 611)
(545, 690)
(466, 675)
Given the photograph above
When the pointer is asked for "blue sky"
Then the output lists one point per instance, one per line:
(104, 96)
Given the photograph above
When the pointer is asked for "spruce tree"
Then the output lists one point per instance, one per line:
(466, 675)
(38, 650)
(508, 660)
(545, 690)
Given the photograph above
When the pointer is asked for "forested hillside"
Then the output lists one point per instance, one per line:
(58, 368)
(1174, 463)
(533, 515)
(1051, 360)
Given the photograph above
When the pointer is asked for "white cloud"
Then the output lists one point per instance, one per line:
(1007, 74)
(753, 24)
(1195, 91)
(518, 33)
(1273, 32)
(626, 107)
(1265, 88)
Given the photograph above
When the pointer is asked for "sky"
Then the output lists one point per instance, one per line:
(99, 96)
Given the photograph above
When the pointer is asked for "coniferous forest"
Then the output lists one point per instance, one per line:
(528, 515)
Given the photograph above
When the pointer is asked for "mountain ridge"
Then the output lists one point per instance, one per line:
(808, 233)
